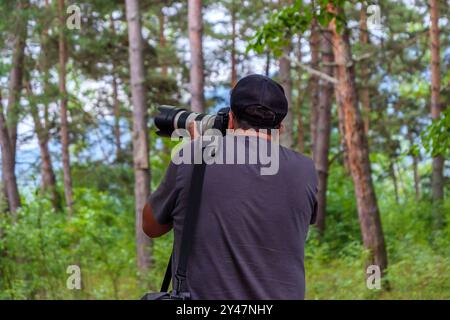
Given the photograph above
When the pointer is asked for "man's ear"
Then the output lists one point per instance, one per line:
(281, 128)
(231, 121)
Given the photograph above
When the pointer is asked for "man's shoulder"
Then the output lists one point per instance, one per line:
(297, 158)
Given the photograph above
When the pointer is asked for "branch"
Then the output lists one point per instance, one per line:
(315, 72)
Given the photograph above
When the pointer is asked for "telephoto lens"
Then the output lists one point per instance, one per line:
(171, 118)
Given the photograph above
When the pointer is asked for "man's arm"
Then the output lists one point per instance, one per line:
(150, 226)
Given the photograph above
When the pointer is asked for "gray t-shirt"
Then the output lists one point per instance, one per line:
(251, 230)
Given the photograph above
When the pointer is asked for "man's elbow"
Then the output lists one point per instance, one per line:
(150, 226)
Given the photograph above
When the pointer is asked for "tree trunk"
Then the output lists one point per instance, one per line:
(116, 105)
(314, 44)
(47, 173)
(9, 176)
(286, 138)
(268, 61)
(15, 81)
(394, 180)
(162, 40)
(63, 108)
(300, 95)
(323, 132)
(437, 179)
(233, 46)
(415, 165)
(358, 150)
(364, 72)
(140, 130)
(196, 44)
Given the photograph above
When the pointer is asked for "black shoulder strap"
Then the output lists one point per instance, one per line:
(189, 224)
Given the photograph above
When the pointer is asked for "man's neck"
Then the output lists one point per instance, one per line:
(252, 132)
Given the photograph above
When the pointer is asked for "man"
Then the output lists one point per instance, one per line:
(251, 230)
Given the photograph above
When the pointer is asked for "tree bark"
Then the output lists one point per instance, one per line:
(286, 138)
(162, 40)
(358, 150)
(394, 180)
(415, 165)
(9, 176)
(364, 72)
(195, 25)
(300, 95)
(323, 130)
(233, 46)
(116, 111)
(15, 80)
(268, 61)
(63, 109)
(437, 179)
(116, 104)
(314, 44)
(140, 130)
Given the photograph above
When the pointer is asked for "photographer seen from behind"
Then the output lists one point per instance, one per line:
(251, 229)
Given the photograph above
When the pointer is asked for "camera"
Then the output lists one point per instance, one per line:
(170, 118)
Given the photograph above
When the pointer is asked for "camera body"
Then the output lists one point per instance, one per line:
(170, 118)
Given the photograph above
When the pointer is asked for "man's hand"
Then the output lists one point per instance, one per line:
(192, 128)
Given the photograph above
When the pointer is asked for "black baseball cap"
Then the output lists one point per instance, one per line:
(258, 90)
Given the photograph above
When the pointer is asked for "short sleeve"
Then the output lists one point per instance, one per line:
(313, 194)
(163, 200)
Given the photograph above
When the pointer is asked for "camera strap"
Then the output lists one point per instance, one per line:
(190, 222)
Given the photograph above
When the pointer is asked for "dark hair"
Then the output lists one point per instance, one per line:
(258, 114)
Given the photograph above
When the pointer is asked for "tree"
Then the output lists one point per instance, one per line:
(9, 176)
(314, 44)
(286, 138)
(140, 129)
(63, 56)
(8, 125)
(323, 128)
(357, 145)
(195, 26)
(233, 44)
(364, 72)
(437, 179)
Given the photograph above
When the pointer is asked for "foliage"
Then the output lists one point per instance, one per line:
(436, 137)
(41, 244)
(295, 18)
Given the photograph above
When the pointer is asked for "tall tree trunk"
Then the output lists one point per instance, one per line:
(314, 44)
(322, 145)
(233, 45)
(47, 173)
(196, 44)
(286, 138)
(9, 176)
(162, 39)
(116, 111)
(140, 130)
(364, 72)
(415, 165)
(437, 179)
(116, 104)
(63, 108)
(300, 96)
(394, 179)
(15, 79)
(358, 150)
(268, 61)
